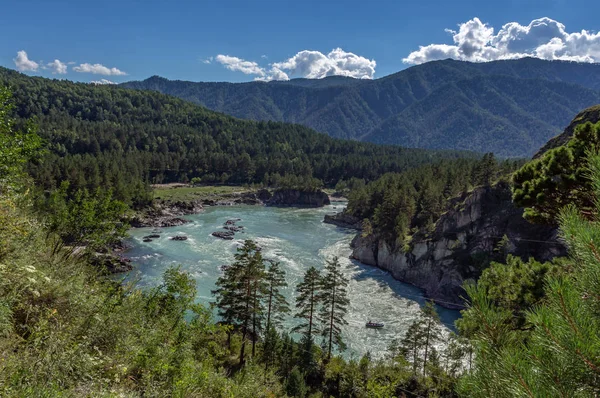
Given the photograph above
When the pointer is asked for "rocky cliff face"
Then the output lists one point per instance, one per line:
(465, 237)
(294, 197)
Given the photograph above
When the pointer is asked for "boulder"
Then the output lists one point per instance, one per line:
(227, 235)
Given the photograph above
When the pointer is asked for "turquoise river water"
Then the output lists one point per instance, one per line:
(298, 238)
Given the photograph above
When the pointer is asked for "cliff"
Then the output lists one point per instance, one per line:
(464, 239)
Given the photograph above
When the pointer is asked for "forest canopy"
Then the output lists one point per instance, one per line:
(124, 139)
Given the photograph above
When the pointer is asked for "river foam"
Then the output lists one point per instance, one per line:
(298, 239)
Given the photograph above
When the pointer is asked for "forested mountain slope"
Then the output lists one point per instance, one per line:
(441, 104)
(119, 138)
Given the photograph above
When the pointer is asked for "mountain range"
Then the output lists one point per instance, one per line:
(509, 107)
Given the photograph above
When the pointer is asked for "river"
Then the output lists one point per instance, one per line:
(298, 238)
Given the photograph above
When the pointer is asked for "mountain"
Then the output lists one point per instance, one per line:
(508, 107)
(591, 114)
(118, 138)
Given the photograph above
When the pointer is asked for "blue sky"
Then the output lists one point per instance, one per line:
(234, 40)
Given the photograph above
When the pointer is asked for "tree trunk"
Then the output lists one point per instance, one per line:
(331, 322)
(254, 335)
(415, 355)
(426, 346)
(310, 318)
(245, 327)
(268, 326)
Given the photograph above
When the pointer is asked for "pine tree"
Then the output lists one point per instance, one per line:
(307, 305)
(239, 292)
(276, 307)
(559, 352)
(295, 385)
(431, 319)
(411, 344)
(308, 302)
(334, 300)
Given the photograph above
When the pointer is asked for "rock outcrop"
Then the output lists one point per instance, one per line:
(343, 220)
(295, 197)
(465, 237)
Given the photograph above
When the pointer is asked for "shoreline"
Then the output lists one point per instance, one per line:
(179, 200)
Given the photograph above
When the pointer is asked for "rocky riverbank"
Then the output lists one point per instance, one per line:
(465, 238)
(169, 213)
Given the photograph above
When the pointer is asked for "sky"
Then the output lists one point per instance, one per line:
(244, 40)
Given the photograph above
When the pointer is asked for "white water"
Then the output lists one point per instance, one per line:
(298, 239)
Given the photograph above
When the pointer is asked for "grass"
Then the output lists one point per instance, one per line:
(187, 193)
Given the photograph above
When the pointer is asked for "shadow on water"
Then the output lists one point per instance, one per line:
(407, 291)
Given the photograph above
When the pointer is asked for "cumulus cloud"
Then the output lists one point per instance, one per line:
(239, 65)
(308, 64)
(23, 63)
(543, 38)
(102, 82)
(98, 69)
(57, 67)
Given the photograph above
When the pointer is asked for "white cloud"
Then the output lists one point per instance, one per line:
(102, 82)
(543, 38)
(316, 65)
(57, 67)
(308, 64)
(208, 60)
(23, 63)
(239, 65)
(98, 69)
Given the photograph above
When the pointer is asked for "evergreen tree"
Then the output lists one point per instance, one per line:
(334, 301)
(307, 305)
(295, 386)
(412, 343)
(308, 302)
(486, 170)
(546, 185)
(239, 292)
(276, 307)
(431, 320)
(559, 353)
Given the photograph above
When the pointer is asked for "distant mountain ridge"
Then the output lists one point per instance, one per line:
(508, 107)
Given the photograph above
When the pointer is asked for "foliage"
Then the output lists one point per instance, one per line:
(334, 305)
(516, 286)
(509, 107)
(83, 218)
(17, 147)
(558, 354)
(239, 294)
(547, 184)
(124, 139)
(400, 205)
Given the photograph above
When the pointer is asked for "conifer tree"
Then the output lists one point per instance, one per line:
(558, 354)
(239, 292)
(411, 344)
(307, 306)
(276, 307)
(308, 302)
(334, 301)
(431, 319)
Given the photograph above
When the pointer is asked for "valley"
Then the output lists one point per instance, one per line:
(297, 238)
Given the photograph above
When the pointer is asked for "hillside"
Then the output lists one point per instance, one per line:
(441, 104)
(591, 114)
(119, 138)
